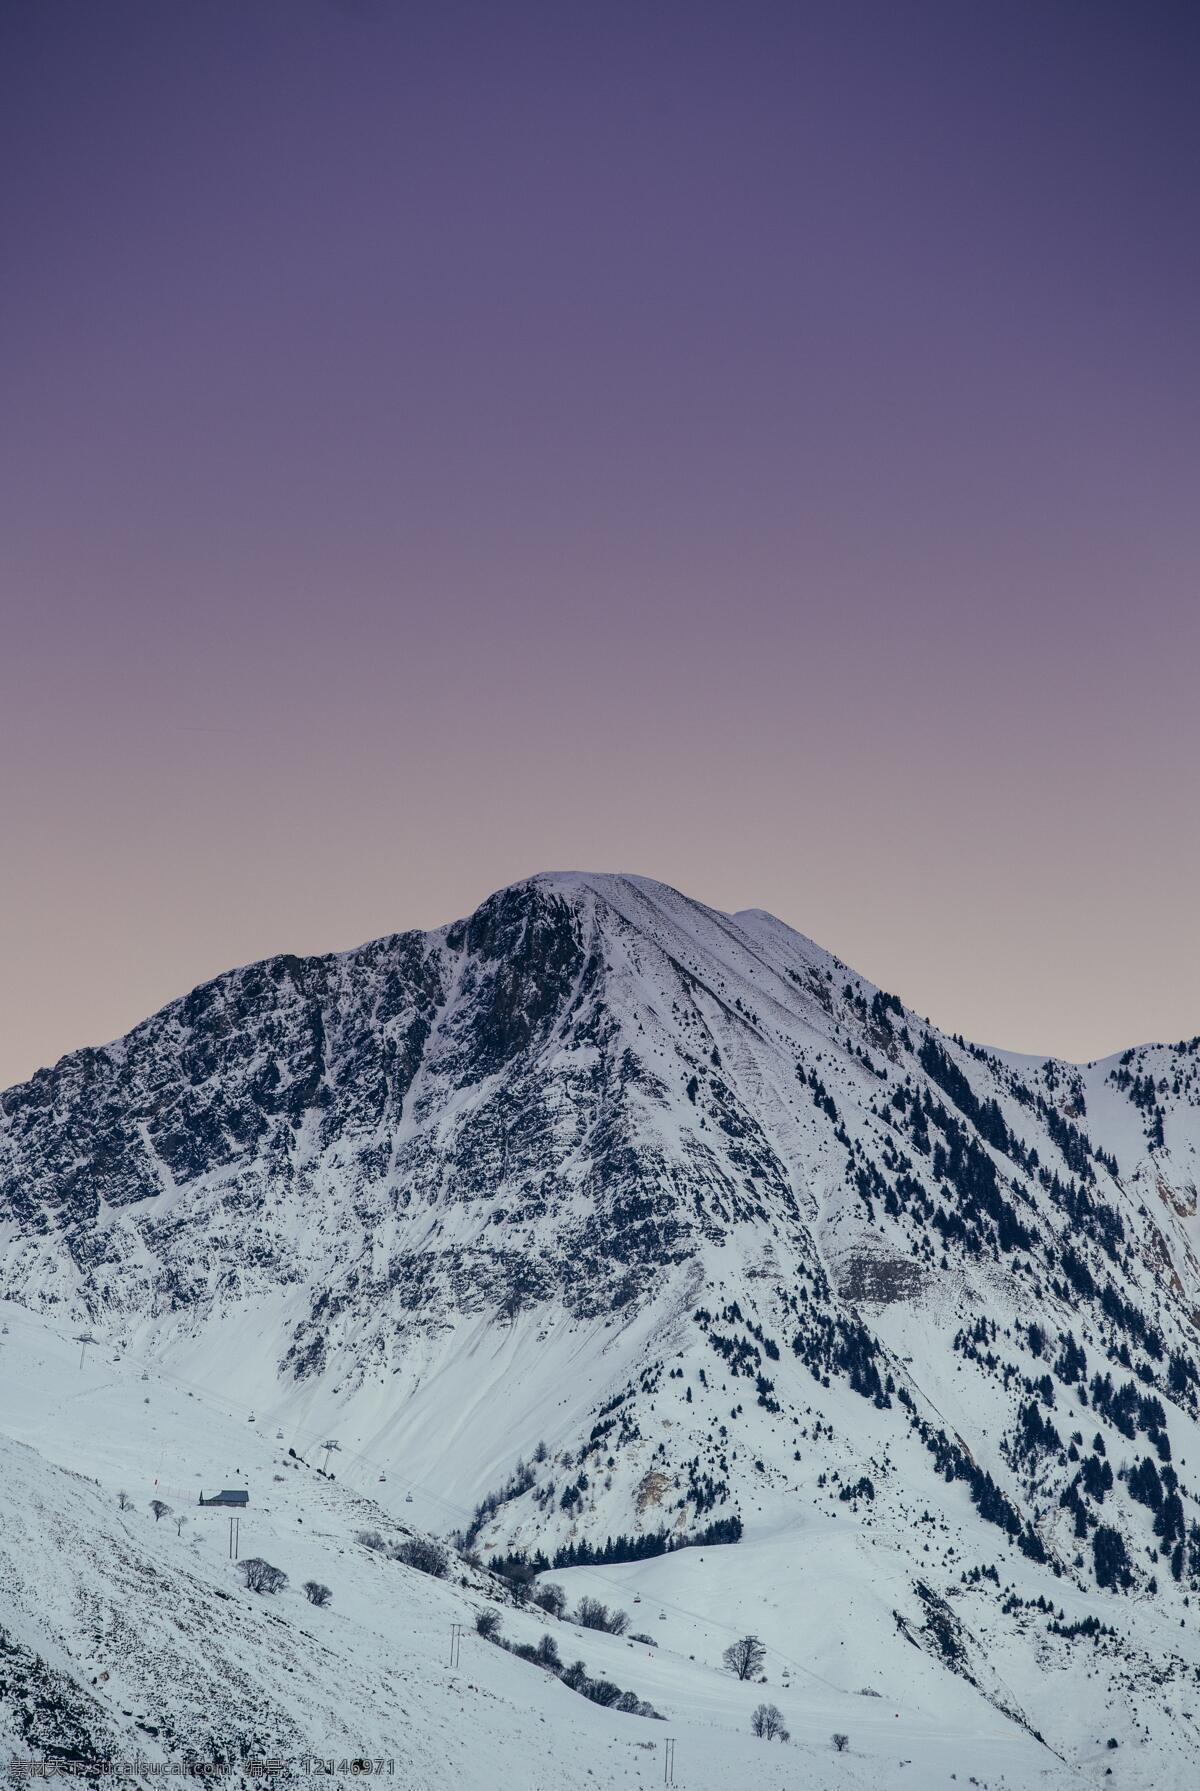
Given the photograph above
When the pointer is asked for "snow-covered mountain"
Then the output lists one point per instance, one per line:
(601, 1223)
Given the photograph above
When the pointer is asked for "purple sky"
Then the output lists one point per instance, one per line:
(753, 445)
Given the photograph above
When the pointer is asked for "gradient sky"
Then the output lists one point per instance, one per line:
(752, 445)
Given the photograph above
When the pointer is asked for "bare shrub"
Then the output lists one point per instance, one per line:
(425, 1555)
(591, 1614)
(487, 1625)
(551, 1599)
(260, 1576)
(601, 1691)
(316, 1593)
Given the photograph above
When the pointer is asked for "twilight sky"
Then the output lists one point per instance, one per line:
(751, 444)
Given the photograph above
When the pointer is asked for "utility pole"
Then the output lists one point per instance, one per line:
(84, 1338)
(455, 1642)
(669, 1761)
(235, 1537)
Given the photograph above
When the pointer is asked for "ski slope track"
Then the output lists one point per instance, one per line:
(634, 1248)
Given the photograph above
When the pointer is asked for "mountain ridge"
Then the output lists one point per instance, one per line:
(603, 1218)
(562, 882)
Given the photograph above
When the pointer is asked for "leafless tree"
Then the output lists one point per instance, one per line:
(425, 1555)
(123, 1501)
(767, 1722)
(745, 1657)
(260, 1576)
(179, 1523)
(551, 1599)
(591, 1614)
(316, 1593)
(159, 1509)
(487, 1624)
(841, 1743)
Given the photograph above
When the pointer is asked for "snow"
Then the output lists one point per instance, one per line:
(569, 1164)
(191, 1661)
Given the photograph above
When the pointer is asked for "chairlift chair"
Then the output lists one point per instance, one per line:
(382, 1478)
(408, 1498)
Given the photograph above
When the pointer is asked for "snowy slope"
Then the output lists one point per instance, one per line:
(126, 1638)
(603, 1215)
(149, 1644)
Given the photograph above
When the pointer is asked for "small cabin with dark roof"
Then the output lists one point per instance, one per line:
(226, 1498)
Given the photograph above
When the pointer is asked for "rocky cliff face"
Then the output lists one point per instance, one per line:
(526, 1094)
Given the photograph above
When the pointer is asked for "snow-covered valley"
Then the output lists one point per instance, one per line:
(151, 1646)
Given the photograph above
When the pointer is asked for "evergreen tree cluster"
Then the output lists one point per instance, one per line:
(1086, 1626)
(616, 1549)
(971, 1173)
(1110, 1558)
(985, 1116)
(1126, 1409)
(1143, 1091)
(993, 1505)
(1036, 1436)
(836, 1345)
